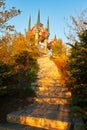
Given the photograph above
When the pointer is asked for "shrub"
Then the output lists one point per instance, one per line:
(60, 56)
(77, 68)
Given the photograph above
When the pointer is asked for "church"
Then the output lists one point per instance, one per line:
(40, 33)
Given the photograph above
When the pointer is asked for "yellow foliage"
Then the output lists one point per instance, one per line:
(61, 61)
(60, 57)
(26, 43)
(4, 54)
(5, 49)
(18, 44)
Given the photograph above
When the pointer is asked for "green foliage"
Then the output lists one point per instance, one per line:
(77, 67)
(17, 79)
(6, 79)
(19, 75)
(29, 91)
(77, 111)
(26, 68)
(32, 73)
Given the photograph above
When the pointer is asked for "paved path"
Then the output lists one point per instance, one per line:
(52, 104)
(50, 89)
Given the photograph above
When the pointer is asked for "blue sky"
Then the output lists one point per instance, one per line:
(57, 10)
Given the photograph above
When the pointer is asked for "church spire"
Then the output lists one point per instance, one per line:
(38, 20)
(55, 36)
(29, 24)
(48, 25)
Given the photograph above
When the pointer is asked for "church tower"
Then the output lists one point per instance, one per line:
(41, 33)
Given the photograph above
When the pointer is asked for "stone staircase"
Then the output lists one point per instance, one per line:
(52, 104)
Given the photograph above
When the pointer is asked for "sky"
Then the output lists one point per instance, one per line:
(57, 10)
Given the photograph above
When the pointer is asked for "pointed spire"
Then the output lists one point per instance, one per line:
(55, 37)
(38, 20)
(29, 24)
(25, 31)
(48, 25)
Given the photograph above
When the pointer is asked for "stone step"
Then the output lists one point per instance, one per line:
(53, 100)
(52, 91)
(54, 94)
(46, 79)
(45, 116)
(58, 88)
(12, 126)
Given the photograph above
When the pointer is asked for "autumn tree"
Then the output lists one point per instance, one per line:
(5, 48)
(6, 65)
(6, 15)
(24, 53)
(75, 25)
(22, 43)
(18, 63)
